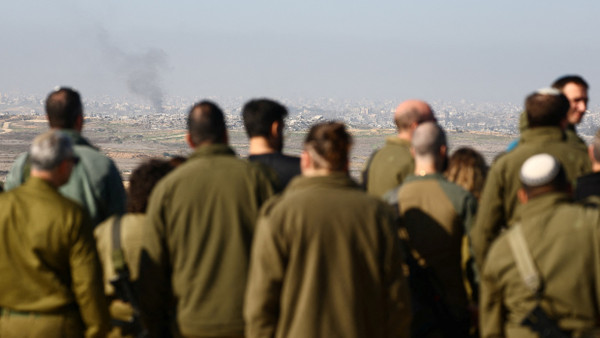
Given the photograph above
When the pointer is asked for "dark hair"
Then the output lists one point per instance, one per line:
(468, 169)
(63, 106)
(206, 123)
(260, 114)
(331, 143)
(142, 181)
(546, 109)
(561, 82)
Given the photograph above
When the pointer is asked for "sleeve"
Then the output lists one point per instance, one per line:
(154, 270)
(265, 278)
(14, 178)
(491, 317)
(86, 276)
(398, 310)
(116, 197)
(490, 216)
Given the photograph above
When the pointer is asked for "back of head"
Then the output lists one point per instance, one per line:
(428, 139)
(561, 82)
(206, 123)
(542, 173)
(63, 107)
(49, 150)
(329, 144)
(410, 112)
(596, 147)
(260, 114)
(142, 181)
(468, 169)
(546, 107)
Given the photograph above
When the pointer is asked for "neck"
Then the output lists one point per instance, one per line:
(260, 145)
(47, 176)
(423, 168)
(405, 135)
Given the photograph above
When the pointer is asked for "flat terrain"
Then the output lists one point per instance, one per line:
(129, 143)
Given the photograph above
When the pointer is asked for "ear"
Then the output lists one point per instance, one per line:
(443, 150)
(188, 140)
(275, 131)
(522, 195)
(79, 123)
(305, 162)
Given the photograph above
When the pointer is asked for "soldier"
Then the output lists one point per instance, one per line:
(326, 260)
(436, 216)
(51, 284)
(263, 120)
(390, 165)
(589, 185)
(95, 182)
(547, 114)
(559, 242)
(201, 220)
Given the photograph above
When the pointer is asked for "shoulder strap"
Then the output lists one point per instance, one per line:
(523, 259)
(117, 251)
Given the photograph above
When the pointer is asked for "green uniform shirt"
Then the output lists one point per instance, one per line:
(326, 262)
(564, 242)
(388, 167)
(201, 223)
(48, 259)
(499, 196)
(95, 182)
(437, 215)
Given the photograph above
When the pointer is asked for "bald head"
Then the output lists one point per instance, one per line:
(428, 139)
(410, 113)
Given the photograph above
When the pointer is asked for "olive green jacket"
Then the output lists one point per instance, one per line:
(326, 262)
(388, 166)
(437, 215)
(499, 196)
(564, 241)
(48, 259)
(95, 182)
(201, 223)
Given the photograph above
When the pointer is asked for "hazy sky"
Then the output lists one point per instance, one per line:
(473, 50)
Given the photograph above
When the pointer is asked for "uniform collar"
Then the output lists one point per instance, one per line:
(543, 134)
(38, 184)
(395, 140)
(76, 137)
(339, 180)
(212, 149)
(541, 204)
(433, 176)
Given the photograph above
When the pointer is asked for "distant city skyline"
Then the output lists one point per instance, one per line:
(434, 50)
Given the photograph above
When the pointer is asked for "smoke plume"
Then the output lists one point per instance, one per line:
(142, 70)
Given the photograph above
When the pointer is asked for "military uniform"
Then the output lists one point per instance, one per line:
(201, 220)
(95, 183)
(388, 167)
(437, 215)
(326, 262)
(564, 242)
(499, 196)
(133, 226)
(51, 277)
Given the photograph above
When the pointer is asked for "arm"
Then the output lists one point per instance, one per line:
(86, 276)
(15, 175)
(490, 216)
(154, 270)
(261, 307)
(397, 293)
(491, 318)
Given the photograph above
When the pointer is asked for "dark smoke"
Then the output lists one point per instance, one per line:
(141, 70)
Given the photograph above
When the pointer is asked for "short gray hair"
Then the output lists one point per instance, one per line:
(49, 150)
(428, 139)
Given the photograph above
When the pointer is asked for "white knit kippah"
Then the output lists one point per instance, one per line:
(548, 91)
(539, 169)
